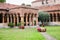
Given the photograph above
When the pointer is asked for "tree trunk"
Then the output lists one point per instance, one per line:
(43, 24)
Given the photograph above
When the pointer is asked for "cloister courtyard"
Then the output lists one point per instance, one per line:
(28, 33)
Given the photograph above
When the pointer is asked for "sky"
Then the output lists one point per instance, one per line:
(19, 2)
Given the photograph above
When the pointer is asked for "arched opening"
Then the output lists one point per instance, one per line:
(51, 17)
(25, 19)
(1, 17)
(58, 17)
(54, 17)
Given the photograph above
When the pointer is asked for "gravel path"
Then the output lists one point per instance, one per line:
(48, 37)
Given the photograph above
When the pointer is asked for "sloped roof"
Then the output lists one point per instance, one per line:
(7, 5)
(37, 1)
(49, 8)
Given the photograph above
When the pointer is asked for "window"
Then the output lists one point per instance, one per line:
(46, 1)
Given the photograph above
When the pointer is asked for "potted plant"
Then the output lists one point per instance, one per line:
(11, 25)
(20, 25)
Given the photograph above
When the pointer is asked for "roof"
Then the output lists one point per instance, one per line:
(49, 8)
(37, 1)
(7, 5)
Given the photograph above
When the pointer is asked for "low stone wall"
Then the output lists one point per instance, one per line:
(54, 23)
(3, 25)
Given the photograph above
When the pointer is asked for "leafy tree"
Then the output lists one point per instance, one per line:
(2, 1)
(43, 17)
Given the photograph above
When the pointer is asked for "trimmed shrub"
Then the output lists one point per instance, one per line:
(19, 24)
(11, 25)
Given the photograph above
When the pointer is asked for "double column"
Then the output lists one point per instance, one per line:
(3, 17)
(30, 19)
(26, 19)
(36, 20)
(22, 20)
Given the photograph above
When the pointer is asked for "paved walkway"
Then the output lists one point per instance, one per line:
(48, 37)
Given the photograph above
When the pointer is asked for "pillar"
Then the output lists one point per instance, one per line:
(53, 17)
(33, 21)
(3, 18)
(49, 18)
(36, 20)
(30, 20)
(14, 19)
(10, 18)
(17, 19)
(56, 17)
(22, 20)
(7, 18)
(26, 19)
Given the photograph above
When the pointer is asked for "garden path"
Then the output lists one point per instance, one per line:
(48, 37)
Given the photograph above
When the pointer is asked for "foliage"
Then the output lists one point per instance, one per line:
(11, 25)
(2, 1)
(54, 31)
(18, 34)
(43, 17)
(19, 24)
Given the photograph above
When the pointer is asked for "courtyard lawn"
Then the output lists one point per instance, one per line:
(20, 34)
(54, 31)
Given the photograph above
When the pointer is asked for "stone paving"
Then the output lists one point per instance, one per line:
(48, 37)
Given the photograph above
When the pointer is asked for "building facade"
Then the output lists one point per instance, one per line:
(15, 14)
(50, 6)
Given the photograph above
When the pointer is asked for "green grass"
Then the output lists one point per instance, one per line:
(54, 31)
(20, 34)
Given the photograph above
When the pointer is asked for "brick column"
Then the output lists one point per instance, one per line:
(49, 18)
(22, 20)
(10, 18)
(30, 20)
(33, 21)
(26, 20)
(56, 17)
(36, 20)
(14, 19)
(53, 17)
(3, 18)
(7, 19)
(17, 19)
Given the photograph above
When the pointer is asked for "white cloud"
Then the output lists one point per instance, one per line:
(19, 2)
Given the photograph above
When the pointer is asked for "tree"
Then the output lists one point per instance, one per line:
(2, 1)
(43, 17)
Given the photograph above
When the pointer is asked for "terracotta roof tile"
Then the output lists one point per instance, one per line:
(48, 8)
(7, 5)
